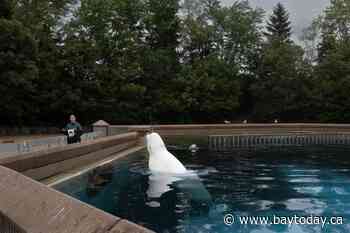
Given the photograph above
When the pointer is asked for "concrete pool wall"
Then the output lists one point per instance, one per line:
(27, 206)
(46, 163)
(224, 129)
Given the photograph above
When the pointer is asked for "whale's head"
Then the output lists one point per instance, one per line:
(154, 143)
(160, 159)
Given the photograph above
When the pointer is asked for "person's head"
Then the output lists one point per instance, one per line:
(72, 118)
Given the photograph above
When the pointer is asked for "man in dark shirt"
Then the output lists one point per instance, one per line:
(73, 130)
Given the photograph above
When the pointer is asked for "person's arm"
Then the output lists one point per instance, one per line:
(80, 130)
(65, 130)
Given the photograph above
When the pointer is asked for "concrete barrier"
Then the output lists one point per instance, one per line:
(227, 129)
(42, 164)
(8, 226)
(43, 143)
(6, 131)
(27, 206)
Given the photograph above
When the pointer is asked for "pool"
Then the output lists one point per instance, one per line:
(277, 183)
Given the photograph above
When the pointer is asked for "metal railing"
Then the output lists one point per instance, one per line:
(227, 142)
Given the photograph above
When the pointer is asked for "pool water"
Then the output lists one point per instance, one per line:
(275, 181)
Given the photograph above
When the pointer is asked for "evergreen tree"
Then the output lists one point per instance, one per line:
(278, 27)
(281, 90)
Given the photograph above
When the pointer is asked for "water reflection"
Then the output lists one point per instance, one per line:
(188, 187)
(98, 179)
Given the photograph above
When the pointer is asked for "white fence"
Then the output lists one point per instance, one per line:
(42, 143)
(228, 142)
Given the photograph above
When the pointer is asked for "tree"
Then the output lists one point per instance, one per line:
(210, 90)
(161, 60)
(241, 34)
(278, 27)
(18, 70)
(142, 61)
(44, 21)
(310, 38)
(332, 71)
(103, 49)
(201, 35)
(281, 89)
(6, 9)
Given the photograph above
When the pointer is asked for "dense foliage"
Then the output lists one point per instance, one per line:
(170, 61)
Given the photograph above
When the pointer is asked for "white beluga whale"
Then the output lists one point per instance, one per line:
(167, 173)
(160, 159)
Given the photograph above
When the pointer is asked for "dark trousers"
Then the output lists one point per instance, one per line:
(75, 139)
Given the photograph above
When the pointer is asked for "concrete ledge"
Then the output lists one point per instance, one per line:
(31, 207)
(217, 129)
(125, 226)
(7, 226)
(69, 164)
(53, 181)
(65, 155)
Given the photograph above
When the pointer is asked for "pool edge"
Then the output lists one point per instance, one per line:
(63, 177)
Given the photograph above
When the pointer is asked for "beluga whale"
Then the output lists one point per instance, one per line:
(167, 173)
(160, 159)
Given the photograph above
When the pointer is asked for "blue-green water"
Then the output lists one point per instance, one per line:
(302, 181)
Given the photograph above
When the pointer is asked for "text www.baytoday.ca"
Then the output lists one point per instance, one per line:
(230, 219)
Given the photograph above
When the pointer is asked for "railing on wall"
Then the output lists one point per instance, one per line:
(43, 143)
(227, 142)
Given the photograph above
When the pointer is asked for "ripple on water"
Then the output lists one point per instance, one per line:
(263, 186)
(311, 190)
(261, 205)
(308, 205)
(305, 171)
(340, 170)
(305, 180)
(264, 178)
(340, 191)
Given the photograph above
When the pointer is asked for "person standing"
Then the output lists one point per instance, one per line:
(73, 130)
